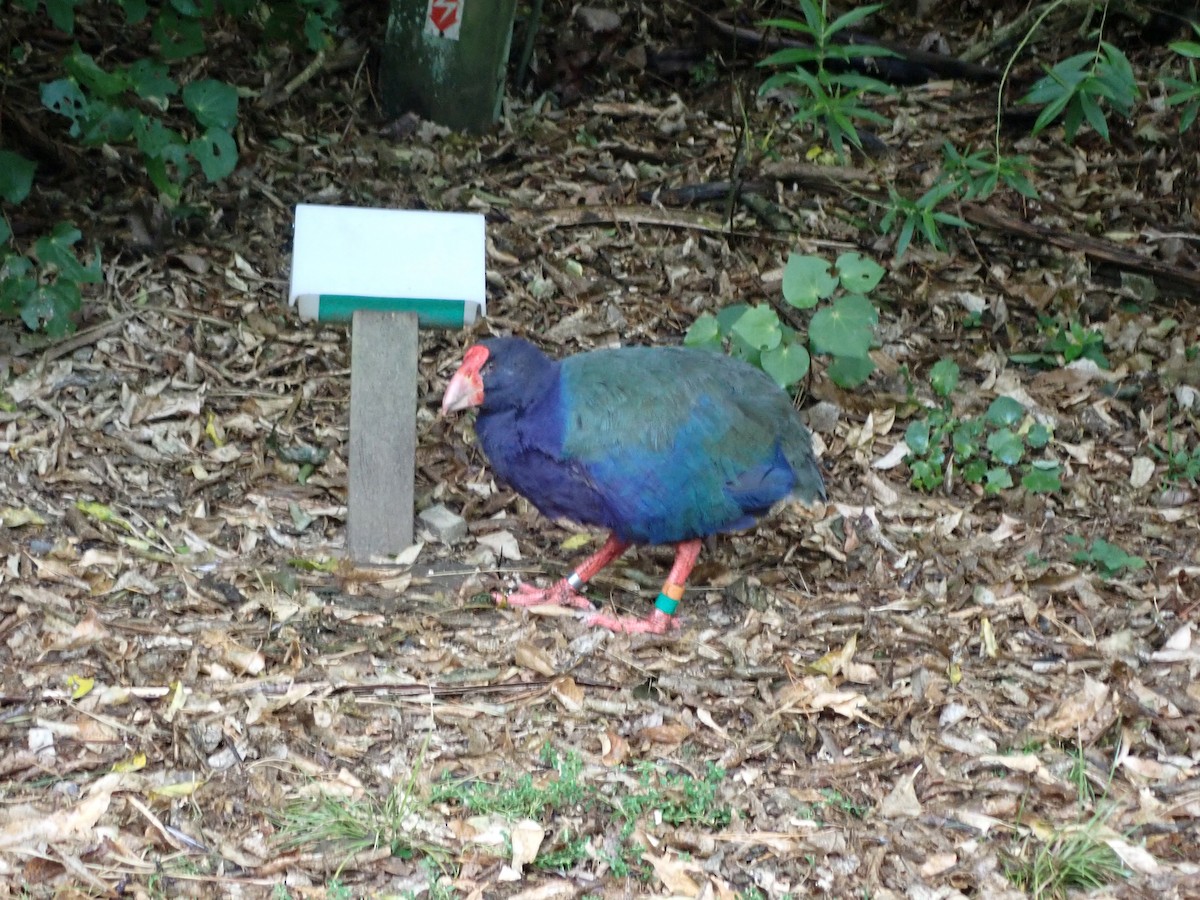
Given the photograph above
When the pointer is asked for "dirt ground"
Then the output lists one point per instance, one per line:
(899, 694)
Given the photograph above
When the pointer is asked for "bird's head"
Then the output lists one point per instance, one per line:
(501, 373)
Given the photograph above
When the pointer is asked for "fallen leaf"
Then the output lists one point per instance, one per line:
(526, 837)
(901, 802)
(535, 658)
(568, 693)
(1141, 471)
(673, 873)
(1085, 714)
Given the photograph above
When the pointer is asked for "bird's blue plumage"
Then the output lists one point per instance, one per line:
(658, 445)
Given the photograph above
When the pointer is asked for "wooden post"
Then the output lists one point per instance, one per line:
(445, 60)
(383, 433)
(387, 272)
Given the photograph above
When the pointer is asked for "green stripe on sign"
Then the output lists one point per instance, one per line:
(430, 313)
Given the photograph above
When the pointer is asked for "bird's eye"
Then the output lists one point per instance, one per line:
(487, 368)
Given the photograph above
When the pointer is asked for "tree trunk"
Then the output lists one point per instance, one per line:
(445, 60)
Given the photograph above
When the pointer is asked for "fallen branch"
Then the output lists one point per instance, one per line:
(1094, 248)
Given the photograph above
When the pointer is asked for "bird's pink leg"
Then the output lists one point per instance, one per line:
(566, 591)
(663, 617)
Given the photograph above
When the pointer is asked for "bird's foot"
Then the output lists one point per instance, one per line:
(558, 594)
(658, 622)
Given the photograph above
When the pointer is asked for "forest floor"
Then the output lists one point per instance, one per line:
(903, 693)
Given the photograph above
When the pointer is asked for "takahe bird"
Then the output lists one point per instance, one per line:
(660, 445)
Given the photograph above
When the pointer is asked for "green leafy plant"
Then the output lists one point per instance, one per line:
(524, 799)
(1185, 92)
(943, 377)
(352, 827)
(977, 175)
(1109, 560)
(1071, 858)
(125, 105)
(175, 127)
(1078, 89)
(1085, 794)
(1064, 342)
(921, 217)
(1182, 464)
(704, 73)
(856, 809)
(569, 852)
(824, 93)
(43, 288)
(985, 451)
(683, 799)
(842, 328)
(675, 798)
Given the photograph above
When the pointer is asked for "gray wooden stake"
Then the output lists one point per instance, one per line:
(383, 433)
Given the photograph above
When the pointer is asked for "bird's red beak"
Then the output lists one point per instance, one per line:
(466, 387)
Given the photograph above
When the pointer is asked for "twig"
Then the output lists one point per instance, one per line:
(85, 338)
(1005, 33)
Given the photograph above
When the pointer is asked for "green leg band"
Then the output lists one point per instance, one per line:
(666, 605)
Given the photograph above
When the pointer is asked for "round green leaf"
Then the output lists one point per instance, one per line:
(153, 137)
(806, 279)
(1005, 446)
(1005, 411)
(216, 152)
(844, 329)
(787, 364)
(729, 315)
(50, 308)
(150, 81)
(997, 480)
(16, 176)
(704, 333)
(917, 437)
(850, 371)
(61, 12)
(1038, 436)
(759, 328)
(1042, 478)
(974, 471)
(178, 37)
(965, 440)
(858, 273)
(213, 103)
(108, 123)
(944, 377)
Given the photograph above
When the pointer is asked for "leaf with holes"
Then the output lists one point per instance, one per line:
(55, 250)
(858, 273)
(216, 152)
(65, 98)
